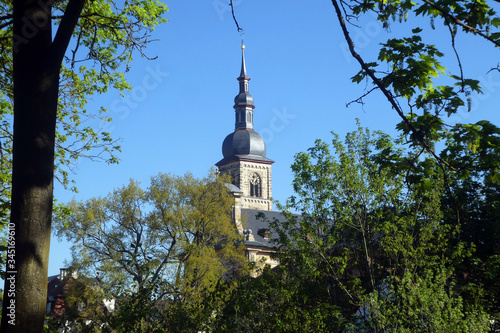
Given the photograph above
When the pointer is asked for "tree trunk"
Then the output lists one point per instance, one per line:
(35, 107)
(37, 62)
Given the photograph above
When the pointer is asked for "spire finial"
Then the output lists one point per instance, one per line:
(243, 65)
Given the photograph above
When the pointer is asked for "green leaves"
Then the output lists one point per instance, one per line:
(413, 64)
(411, 72)
(373, 249)
(107, 36)
(474, 149)
(170, 243)
(450, 171)
(429, 303)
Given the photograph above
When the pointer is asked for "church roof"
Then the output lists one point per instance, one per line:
(244, 142)
(260, 226)
(233, 188)
(245, 157)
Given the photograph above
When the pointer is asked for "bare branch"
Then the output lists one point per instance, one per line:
(452, 33)
(359, 100)
(6, 24)
(494, 69)
(234, 17)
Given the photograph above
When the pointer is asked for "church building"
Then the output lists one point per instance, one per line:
(244, 158)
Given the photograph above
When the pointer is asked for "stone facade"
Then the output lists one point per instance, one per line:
(253, 178)
(261, 257)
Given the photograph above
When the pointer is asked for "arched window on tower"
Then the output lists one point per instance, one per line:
(235, 180)
(255, 186)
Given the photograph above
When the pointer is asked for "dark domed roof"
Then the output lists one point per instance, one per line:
(243, 142)
(243, 99)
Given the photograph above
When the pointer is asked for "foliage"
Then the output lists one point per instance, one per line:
(45, 94)
(158, 250)
(405, 239)
(472, 203)
(368, 250)
(469, 204)
(84, 307)
(425, 88)
(276, 301)
(105, 38)
(424, 302)
(412, 74)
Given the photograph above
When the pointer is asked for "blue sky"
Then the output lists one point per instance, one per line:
(181, 107)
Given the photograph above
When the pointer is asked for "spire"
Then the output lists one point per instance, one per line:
(243, 102)
(243, 73)
(244, 143)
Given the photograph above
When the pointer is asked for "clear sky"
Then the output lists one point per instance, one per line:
(181, 107)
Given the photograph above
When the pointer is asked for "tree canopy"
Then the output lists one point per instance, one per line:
(105, 39)
(422, 86)
(371, 250)
(54, 56)
(162, 249)
(425, 88)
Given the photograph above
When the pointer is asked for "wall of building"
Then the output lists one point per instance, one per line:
(242, 173)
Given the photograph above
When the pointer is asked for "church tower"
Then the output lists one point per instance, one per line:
(244, 153)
